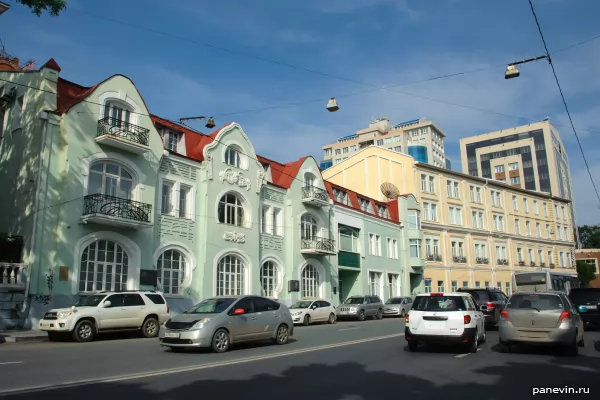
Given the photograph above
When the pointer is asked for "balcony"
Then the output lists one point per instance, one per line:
(13, 277)
(434, 258)
(115, 211)
(532, 264)
(317, 246)
(522, 263)
(543, 265)
(123, 135)
(315, 196)
(552, 266)
(348, 259)
(482, 260)
(502, 261)
(459, 259)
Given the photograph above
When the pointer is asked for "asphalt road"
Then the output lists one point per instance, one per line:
(376, 369)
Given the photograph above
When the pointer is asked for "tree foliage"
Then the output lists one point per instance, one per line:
(54, 7)
(585, 272)
(589, 235)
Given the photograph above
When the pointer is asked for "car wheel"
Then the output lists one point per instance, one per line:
(581, 343)
(331, 319)
(150, 328)
(403, 313)
(84, 331)
(361, 315)
(177, 349)
(473, 344)
(379, 314)
(282, 335)
(483, 336)
(572, 349)
(306, 320)
(220, 341)
(412, 345)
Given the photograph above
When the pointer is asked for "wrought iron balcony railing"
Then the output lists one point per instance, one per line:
(318, 244)
(521, 263)
(482, 260)
(434, 257)
(502, 261)
(543, 265)
(532, 264)
(123, 130)
(116, 207)
(459, 259)
(312, 192)
(552, 265)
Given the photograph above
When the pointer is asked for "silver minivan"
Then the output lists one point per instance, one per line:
(219, 322)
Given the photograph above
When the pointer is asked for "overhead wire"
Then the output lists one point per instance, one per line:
(564, 101)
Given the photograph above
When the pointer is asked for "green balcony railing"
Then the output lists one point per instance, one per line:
(348, 259)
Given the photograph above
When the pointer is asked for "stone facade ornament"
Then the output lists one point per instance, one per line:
(234, 237)
(260, 175)
(234, 178)
(209, 165)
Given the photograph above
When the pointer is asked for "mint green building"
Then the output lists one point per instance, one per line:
(102, 195)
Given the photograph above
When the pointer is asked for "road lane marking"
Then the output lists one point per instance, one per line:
(11, 362)
(468, 354)
(170, 371)
(348, 329)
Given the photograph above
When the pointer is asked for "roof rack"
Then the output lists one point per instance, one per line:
(129, 291)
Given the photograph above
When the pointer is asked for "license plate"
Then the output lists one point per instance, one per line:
(45, 325)
(343, 312)
(591, 307)
(172, 335)
(435, 325)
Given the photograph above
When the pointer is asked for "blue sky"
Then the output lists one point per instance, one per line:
(378, 42)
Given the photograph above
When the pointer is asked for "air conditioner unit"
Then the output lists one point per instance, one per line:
(8, 95)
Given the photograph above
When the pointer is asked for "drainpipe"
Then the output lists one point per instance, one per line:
(44, 118)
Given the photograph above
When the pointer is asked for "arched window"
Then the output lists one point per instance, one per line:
(116, 113)
(104, 266)
(230, 276)
(231, 210)
(309, 180)
(308, 227)
(171, 271)
(111, 180)
(233, 157)
(310, 281)
(269, 278)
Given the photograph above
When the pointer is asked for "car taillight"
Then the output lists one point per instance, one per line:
(406, 319)
(504, 315)
(437, 294)
(491, 305)
(467, 319)
(564, 316)
(168, 309)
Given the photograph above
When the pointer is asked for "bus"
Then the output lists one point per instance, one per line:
(545, 280)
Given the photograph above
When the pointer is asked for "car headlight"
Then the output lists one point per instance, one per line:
(353, 309)
(295, 314)
(62, 315)
(200, 324)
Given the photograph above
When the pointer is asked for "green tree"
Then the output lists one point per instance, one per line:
(585, 272)
(589, 235)
(54, 7)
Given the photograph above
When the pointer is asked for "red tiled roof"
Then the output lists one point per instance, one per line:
(392, 205)
(52, 64)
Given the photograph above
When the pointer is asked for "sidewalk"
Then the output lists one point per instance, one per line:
(20, 336)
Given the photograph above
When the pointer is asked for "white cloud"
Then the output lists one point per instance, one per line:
(350, 6)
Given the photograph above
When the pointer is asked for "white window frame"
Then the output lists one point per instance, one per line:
(271, 220)
(243, 276)
(246, 221)
(176, 183)
(183, 271)
(275, 280)
(310, 282)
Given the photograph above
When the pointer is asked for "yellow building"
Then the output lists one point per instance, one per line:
(476, 231)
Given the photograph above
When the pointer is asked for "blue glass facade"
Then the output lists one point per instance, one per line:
(325, 164)
(448, 164)
(419, 153)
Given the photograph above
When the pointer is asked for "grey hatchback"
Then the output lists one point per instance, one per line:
(219, 322)
(545, 317)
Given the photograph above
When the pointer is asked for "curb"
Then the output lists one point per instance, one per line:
(23, 339)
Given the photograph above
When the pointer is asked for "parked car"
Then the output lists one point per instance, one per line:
(491, 301)
(108, 311)
(397, 306)
(361, 307)
(587, 303)
(542, 318)
(306, 312)
(444, 318)
(220, 322)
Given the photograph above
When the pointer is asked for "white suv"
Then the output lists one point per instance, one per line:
(108, 311)
(444, 318)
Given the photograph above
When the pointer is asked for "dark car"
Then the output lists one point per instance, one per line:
(490, 300)
(587, 303)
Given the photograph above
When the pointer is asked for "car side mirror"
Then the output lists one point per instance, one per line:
(106, 304)
(239, 311)
(313, 307)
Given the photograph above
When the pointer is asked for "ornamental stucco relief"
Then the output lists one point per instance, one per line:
(234, 237)
(234, 178)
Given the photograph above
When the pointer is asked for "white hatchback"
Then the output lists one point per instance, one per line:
(306, 312)
(451, 318)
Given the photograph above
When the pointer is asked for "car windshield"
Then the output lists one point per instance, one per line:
(394, 301)
(478, 295)
(585, 296)
(302, 304)
(354, 300)
(535, 301)
(211, 306)
(90, 301)
(439, 303)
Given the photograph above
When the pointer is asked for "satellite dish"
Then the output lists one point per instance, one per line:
(390, 190)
